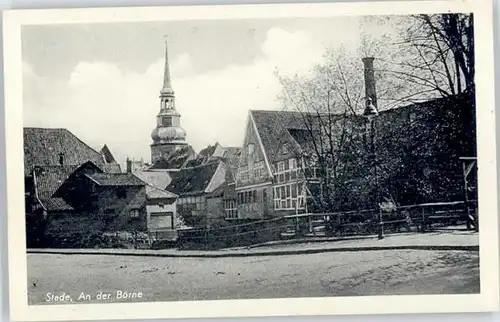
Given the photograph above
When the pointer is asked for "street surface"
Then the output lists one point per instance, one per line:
(381, 272)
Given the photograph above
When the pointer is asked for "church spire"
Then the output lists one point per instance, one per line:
(167, 84)
(168, 135)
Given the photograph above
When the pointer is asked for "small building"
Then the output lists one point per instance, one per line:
(90, 190)
(161, 210)
(193, 186)
(162, 205)
(51, 155)
(75, 206)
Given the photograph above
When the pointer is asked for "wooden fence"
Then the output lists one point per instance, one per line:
(414, 218)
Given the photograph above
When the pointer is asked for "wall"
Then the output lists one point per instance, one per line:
(254, 203)
(251, 158)
(74, 230)
(154, 207)
(215, 208)
(108, 202)
(193, 210)
(218, 179)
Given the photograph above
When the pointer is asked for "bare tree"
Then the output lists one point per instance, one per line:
(427, 58)
(434, 54)
(328, 107)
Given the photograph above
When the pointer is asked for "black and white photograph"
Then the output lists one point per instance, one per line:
(304, 155)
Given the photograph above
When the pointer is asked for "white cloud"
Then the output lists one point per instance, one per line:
(103, 104)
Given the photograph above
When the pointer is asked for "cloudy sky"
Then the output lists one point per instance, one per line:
(102, 81)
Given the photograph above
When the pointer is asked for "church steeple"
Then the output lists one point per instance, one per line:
(167, 83)
(168, 135)
(167, 95)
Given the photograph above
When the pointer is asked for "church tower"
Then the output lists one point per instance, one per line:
(168, 135)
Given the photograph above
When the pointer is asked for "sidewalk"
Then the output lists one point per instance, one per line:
(444, 240)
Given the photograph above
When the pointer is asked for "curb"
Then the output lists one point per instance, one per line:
(312, 240)
(263, 253)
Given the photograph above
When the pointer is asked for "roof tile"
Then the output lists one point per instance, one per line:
(116, 179)
(192, 180)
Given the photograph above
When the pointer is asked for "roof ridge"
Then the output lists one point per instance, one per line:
(162, 190)
(81, 141)
(203, 165)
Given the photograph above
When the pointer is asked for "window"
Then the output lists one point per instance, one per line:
(134, 213)
(166, 121)
(259, 170)
(243, 173)
(287, 171)
(289, 196)
(231, 209)
(246, 197)
(194, 206)
(121, 193)
(285, 148)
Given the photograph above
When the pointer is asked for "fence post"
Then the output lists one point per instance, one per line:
(423, 220)
(206, 238)
(381, 223)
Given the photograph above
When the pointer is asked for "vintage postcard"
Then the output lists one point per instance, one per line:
(251, 160)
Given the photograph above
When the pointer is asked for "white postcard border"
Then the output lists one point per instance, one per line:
(487, 300)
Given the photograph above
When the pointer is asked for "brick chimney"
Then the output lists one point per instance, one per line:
(370, 86)
(129, 165)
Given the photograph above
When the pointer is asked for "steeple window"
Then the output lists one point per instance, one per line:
(166, 121)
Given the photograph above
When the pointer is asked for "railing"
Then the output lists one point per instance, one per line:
(414, 218)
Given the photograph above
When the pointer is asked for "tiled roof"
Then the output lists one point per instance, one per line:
(48, 179)
(159, 179)
(56, 204)
(175, 160)
(116, 179)
(192, 180)
(218, 192)
(271, 126)
(43, 146)
(208, 151)
(155, 193)
(274, 125)
(108, 156)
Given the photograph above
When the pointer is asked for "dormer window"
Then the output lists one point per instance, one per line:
(285, 148)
